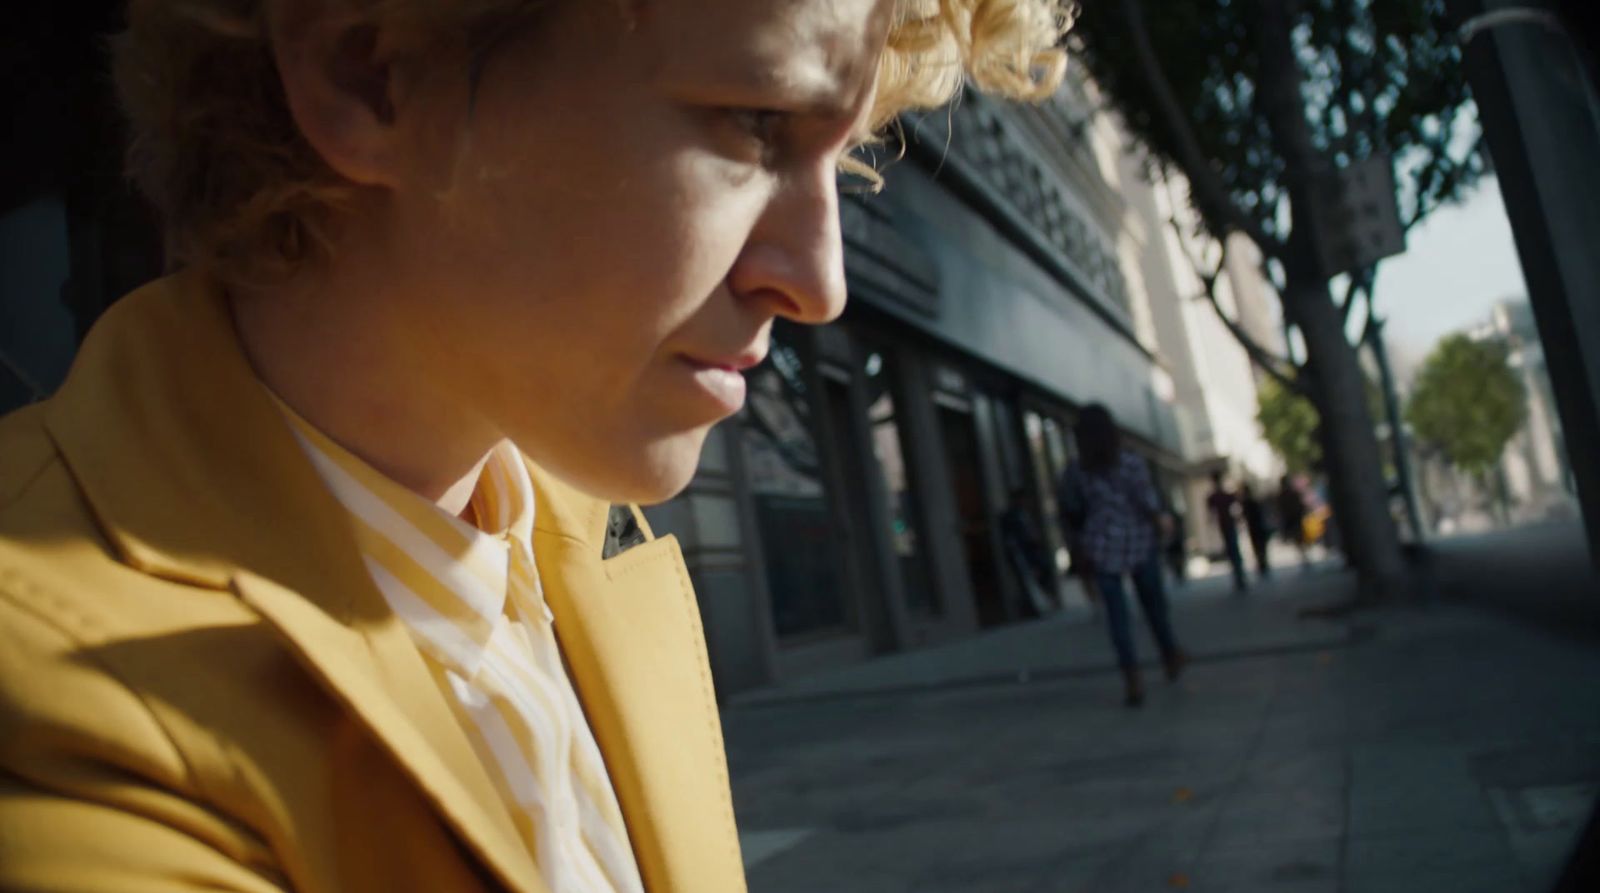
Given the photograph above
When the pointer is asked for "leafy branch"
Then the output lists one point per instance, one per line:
(1211, 196)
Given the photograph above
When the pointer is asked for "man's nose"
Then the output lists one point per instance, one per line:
(794, 257)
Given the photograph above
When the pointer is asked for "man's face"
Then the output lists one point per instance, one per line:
(592, 252)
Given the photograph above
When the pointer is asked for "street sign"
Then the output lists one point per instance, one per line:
(1358, 215)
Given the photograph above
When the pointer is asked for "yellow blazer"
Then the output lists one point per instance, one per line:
(200, 686)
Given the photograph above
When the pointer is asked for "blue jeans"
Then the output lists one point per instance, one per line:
(1147, 583)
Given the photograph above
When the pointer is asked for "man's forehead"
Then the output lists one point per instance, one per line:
(799, 47)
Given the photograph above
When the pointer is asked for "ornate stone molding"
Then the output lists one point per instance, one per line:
(979, 134)
(882, 261)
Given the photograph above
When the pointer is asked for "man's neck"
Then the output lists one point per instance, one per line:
(331, 362)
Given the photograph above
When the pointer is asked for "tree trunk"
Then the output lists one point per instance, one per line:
(1357, 491)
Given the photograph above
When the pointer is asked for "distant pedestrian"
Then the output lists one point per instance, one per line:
(1176, 551)
(1224, 510)
(1025, 551)
(1257, 526)
(1108, 494)
(1292, 516)
(1327, 524)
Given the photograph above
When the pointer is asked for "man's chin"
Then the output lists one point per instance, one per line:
(651, 474)
(667, 469)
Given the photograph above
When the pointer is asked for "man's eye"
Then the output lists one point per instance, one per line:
(761, 125)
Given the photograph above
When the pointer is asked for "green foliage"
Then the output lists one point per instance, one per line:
(1468, 402)
(1289, 424)
(1380, 75)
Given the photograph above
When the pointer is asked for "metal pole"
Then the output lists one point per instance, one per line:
(1397, 430)
(1538, 105)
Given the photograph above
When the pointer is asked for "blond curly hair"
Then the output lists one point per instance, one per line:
(215, 149)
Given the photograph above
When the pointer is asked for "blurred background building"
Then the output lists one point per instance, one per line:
(1534, 466)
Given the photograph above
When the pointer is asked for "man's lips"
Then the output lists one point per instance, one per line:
(739, 362)
(720, 375)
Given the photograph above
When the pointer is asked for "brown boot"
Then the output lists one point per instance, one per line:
(1134, 686)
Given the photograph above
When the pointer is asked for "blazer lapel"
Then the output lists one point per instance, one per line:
(195, 477)
(630, 630)
(378, 675)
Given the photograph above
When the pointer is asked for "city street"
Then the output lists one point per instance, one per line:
(456, 413)
(1449, 744)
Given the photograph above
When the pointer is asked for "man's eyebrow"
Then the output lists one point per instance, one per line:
(805, 88)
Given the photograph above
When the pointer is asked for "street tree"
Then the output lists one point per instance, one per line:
(1289, 422)
(1467, 403)
(1289, 425)
(1254, 102)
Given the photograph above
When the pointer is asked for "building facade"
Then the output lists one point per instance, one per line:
(1534, 466)
(1533, 470)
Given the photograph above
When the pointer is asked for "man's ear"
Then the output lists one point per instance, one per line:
(337, 69)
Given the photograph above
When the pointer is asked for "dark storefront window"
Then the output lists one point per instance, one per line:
(778, 433)
(909, 548)
(1055, 441)
(963, 454)
(1048, 453)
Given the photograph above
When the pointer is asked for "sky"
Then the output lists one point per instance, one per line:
(1459, 263)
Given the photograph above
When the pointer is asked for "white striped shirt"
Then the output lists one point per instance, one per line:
(472, 600)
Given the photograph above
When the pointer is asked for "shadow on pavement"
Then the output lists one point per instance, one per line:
(1539, 574)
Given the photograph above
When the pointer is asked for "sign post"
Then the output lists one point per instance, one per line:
(1358, 215)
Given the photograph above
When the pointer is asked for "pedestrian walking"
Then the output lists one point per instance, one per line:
(1257, 525)
(1224, 511)
(1326, 526)
(1292, 517)
(1120, 526)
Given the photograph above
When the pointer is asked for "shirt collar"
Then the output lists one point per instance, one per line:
(471, 562)
(502, 501)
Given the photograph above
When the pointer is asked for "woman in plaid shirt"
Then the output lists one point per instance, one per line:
(1110, 505)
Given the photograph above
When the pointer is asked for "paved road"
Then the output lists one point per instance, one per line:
(1447, 746)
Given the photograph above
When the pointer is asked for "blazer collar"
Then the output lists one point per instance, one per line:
(630, 630)
(194, 476)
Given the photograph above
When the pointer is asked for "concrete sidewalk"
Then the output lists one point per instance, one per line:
(1212, 622)
(1454, 747)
